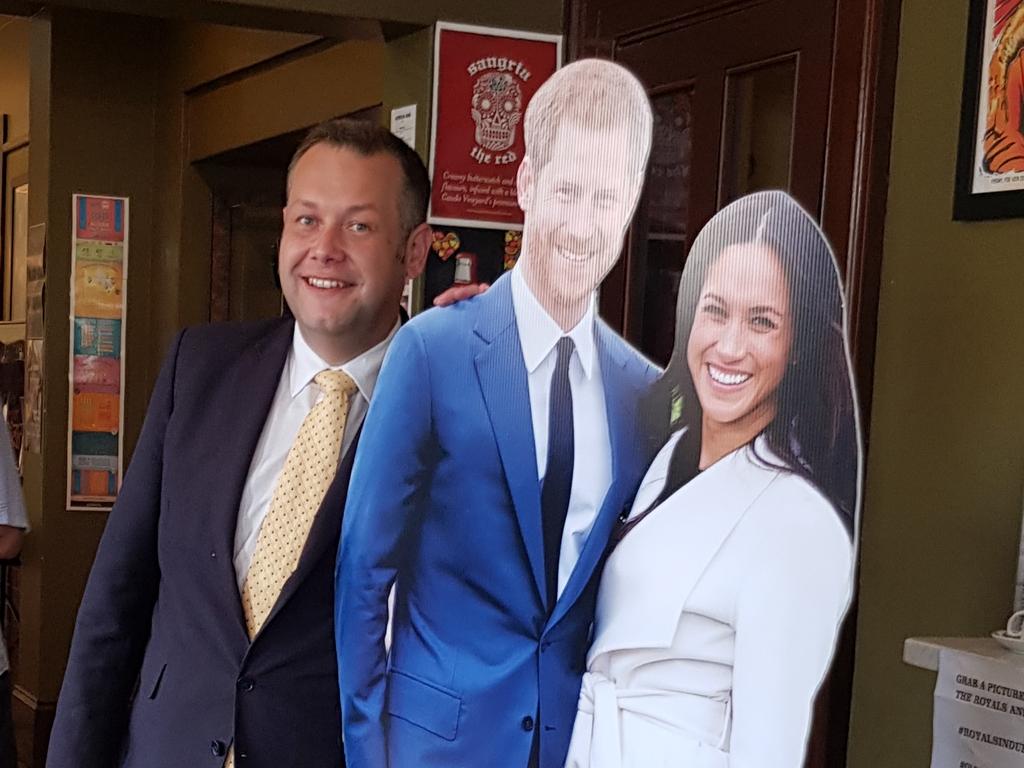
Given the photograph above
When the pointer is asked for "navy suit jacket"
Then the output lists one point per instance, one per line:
(162, 610)
(445, 501)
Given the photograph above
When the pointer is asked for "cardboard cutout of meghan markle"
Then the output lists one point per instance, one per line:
(514, 440)
(722, 597)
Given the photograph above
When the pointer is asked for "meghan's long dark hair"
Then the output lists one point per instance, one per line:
(814, 432)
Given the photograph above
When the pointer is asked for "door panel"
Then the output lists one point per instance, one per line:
(757, 129)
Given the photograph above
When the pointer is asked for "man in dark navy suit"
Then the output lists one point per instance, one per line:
(205, 635)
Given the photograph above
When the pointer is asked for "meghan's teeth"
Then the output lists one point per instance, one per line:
(722, 377)
(317, 282)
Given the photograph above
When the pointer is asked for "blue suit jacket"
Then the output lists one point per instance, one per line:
(445, 502)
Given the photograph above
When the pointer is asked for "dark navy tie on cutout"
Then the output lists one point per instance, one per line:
(558, 475)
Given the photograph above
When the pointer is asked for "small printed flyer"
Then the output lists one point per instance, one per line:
(99, 273)
(979, 712)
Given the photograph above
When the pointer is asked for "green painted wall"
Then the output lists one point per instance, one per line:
(99, 129)
(942, 515)
(408, 65)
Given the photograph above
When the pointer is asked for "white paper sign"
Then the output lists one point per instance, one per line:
(403, 124)
(979, 712)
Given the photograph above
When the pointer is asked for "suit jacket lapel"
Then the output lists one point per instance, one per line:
(506, 392)
(323, 532)
(239, 427)
(622, 399)
(665, 556)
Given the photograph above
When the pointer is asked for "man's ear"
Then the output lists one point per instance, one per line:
(525, 183)
(417, 246)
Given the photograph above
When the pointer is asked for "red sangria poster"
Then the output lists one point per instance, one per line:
(483, 81)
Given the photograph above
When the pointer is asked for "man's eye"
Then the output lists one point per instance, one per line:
(305, 221)
(359, 226)
(763, 323)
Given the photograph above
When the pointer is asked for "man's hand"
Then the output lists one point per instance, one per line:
(458, 293)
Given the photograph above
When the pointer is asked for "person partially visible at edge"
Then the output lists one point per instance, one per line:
(719, 605)
(212, 589)
(499, 451)
(13, 525)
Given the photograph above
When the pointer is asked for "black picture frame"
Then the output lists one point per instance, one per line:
(969, 205)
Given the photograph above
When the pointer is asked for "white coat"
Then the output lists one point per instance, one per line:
(716, 621)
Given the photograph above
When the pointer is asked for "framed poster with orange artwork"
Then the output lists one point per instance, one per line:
(990, 160)
(99, 278)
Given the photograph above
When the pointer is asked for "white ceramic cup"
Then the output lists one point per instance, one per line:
(1015, 625)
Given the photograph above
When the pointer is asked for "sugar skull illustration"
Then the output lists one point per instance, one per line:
(497, 109)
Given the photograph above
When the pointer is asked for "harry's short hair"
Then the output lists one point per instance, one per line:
(591, 94)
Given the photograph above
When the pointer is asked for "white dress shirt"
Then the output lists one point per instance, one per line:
(12, 503)
(592, 455)
(296, 395)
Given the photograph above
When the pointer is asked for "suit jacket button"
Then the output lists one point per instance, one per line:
(246, 684)
(218, 748)
(527, 723)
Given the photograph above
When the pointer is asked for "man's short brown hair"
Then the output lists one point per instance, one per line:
(591, 94)
(366, 139)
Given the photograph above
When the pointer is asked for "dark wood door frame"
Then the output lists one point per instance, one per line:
(852, 212)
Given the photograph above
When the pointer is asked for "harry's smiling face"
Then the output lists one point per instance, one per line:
(577, 207)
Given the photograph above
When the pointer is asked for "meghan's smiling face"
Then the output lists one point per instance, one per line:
(740, 341)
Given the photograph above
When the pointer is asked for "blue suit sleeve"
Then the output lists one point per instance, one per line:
(114, 619)
(381, 517)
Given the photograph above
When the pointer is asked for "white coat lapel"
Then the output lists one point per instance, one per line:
(651, 573)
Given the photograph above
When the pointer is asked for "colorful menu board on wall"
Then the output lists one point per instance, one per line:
(483, 81)
(99, 274)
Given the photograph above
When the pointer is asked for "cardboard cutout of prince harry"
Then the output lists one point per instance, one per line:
(502, 444)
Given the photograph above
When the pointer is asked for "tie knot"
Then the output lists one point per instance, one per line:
(335, 382)
(564, 349)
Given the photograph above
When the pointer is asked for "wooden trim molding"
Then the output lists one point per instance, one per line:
(33, 721)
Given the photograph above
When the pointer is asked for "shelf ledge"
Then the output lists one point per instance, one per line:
(923, 652)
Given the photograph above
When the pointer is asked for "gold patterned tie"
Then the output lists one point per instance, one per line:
(308, 471)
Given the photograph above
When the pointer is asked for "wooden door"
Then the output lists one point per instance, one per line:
(246, 221)
(748, 95)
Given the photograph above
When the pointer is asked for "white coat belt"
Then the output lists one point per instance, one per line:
(705, 719)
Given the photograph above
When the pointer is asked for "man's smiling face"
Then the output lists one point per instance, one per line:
(341, 256)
